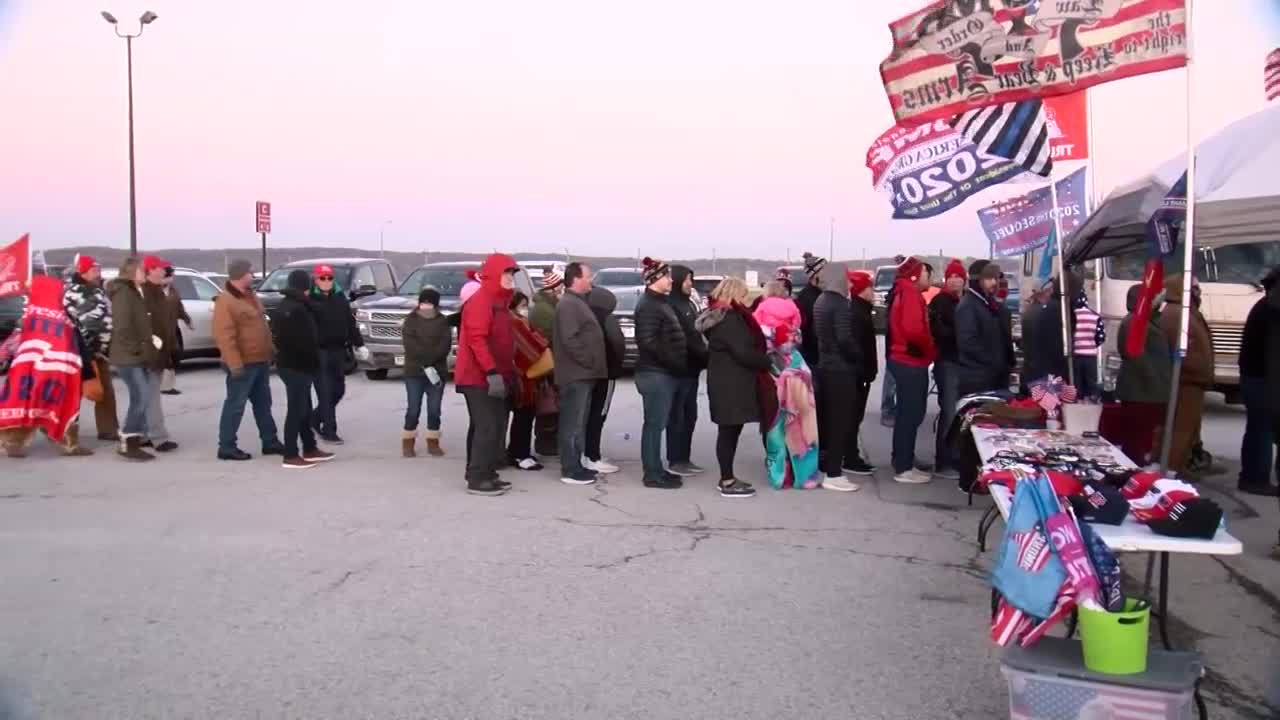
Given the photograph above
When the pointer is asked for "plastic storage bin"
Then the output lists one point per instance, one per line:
(1048, 681)
(1080, 418)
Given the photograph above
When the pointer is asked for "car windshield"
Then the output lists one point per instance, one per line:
(11, 305)
(619, 278)
(884, 278)
(448, 281)
(627, 300)
(278, 280)
(704, 286)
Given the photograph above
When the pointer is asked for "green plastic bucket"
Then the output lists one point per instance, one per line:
(1116, 643)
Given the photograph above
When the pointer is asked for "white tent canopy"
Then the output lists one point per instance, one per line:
(1237, 194)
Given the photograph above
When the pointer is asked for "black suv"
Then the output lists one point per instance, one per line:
(362, 279)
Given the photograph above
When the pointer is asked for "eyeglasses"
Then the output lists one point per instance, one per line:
(325, 278)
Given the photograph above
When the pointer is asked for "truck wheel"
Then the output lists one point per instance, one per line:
(376, 374)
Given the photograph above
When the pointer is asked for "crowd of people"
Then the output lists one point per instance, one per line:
(538, 374)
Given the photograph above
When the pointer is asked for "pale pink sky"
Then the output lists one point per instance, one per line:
(674, 126)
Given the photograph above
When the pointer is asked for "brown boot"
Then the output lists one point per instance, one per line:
(433, 444)
(132, 450)
(406, 444)
(71, 443)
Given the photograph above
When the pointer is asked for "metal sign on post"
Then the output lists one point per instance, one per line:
(263, 213)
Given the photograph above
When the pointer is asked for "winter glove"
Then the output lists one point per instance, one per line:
(363, 354)
(433, 376)
(497, 388)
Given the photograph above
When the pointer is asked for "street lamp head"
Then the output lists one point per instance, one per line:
(148, 17)
(108, 17)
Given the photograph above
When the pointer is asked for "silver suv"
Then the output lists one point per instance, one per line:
(381, 321)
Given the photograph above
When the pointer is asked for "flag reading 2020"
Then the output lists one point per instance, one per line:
(956, 55)
(1025, 223)
(931, 168)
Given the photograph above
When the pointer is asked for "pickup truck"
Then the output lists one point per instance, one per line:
(381, 320)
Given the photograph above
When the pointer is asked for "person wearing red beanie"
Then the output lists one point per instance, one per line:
(942, 323)
(863, 295)
(911, 352)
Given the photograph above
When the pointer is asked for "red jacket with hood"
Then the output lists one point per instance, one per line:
(486, 342)
(911, 343)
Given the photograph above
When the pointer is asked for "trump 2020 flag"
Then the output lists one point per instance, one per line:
(42, 387)
(15, 267)
(1015, 131)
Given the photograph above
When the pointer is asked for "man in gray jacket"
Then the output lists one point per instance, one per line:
(578, 343)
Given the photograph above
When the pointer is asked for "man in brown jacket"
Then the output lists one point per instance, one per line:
(163, 326)
(1197, 369)
(244, 339)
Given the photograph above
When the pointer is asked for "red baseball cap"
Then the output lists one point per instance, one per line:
(1166, 504)
(1139, 484)
(323, 270)
(85, 263)
(152, 262)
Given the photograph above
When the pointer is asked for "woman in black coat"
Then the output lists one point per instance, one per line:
(738, 381)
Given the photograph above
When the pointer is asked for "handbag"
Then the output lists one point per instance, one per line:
(542, 366)
(548, 400)
(1028, 571)
(92, 390)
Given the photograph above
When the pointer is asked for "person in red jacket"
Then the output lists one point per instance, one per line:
(911, 351)
(485, 372)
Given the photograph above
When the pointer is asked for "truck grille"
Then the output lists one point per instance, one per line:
(385, 331)
(1227, 339)
(387, 317)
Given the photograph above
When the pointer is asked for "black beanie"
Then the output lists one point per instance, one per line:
(300, 280)
(429, 296)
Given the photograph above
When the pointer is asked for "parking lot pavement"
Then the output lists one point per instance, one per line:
(374, 587)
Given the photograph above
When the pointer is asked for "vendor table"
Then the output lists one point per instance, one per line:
(1128, 537)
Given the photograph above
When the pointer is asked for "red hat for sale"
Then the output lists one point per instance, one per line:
(85, 263)
(151, 262)
(955, 268)
(859, 280)
(1139, 484)
(323, 271)
(1165, 504)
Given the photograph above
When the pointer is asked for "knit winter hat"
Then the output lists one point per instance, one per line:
(299, 280)
(981, 269)
(468, 290)
(813, 264)
(859, 280)
(238, 269)
(654, 270)
(955, 268)
(552, 280)
(429, 296)
(910, 269)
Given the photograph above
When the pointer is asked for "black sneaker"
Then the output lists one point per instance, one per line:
(331, 439)
(579, 477)
(167, 446)
(235, 454)
(487, 488)
(858, 466)
(672, 477)
(661, 483)
(736, 489)
(500, 483)
(146, 444)
(276, 449)
(174, 391)
(1260, 489)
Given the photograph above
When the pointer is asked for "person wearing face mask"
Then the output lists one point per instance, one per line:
(427, 340)
(942, 323)
(485, 372)
(530, 347)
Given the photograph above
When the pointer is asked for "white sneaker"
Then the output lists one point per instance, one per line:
(840, 484)
(602, 466)
(913, 477)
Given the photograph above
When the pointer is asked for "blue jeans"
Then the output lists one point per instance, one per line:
(575, 398)
(1256, 449)
(137, 381)
(331, 386)
(945, 375)
(684, 416)
(888, 397)
(253, 385)
(297, 419)
(913, 398)
(415, 386)
(658, 391)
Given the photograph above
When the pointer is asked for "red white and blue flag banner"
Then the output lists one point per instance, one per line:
(931, 168)
(15, 267)
(1025, 223)
(42, 387)
(1271, 75)
(956, 55)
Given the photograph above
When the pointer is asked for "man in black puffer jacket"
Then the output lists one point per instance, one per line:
(338, 333)
(863, 295)
(684, 406)
(1260, 386)
(663, 358)
(839, 357)
(297, 360)
(805, 300)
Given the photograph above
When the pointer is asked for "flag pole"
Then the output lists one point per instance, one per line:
(1090, 203)
(1064, 301)
(1188, 244)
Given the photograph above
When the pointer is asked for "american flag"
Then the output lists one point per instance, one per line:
(1057, 700)
(1271, 75)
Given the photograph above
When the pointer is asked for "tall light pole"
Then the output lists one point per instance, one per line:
(382, 229)
(146, 19)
